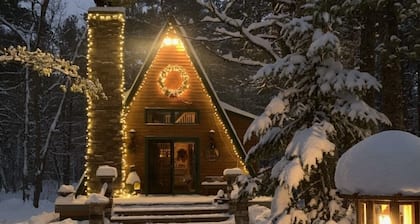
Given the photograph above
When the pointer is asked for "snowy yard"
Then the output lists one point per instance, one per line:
(14, 210)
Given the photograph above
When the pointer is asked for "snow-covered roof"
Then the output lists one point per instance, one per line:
(236, 110)
(66, 189)
(232, 171)
(386, 164)
(106, 171)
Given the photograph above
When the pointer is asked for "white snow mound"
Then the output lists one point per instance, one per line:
(386, 163)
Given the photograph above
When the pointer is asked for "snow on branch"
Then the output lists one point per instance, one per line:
(222, 30)
(333, 77)
(262, 24)
(356, 109)
(310, 144)
(210, 19)
(241, 60)
(238, 24)
(277, 106)
(324, 44)
(201, 38)
(22, 34)
(46, 64)
(41, 62)
(287, 66)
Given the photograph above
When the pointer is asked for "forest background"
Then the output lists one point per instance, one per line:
(383, 41)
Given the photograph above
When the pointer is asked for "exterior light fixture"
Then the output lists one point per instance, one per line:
(212, 153)
(132, 144)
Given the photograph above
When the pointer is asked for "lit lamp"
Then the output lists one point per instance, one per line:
(133, 183)
(132, 143)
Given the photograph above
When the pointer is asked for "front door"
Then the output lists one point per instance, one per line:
(172, 166)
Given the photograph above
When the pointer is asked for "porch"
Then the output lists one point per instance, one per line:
(162, 209)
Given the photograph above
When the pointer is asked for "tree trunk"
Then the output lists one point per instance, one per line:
(38, 136)
(392, 101)
(367, 45)
(68, 112)
(26, 136)
(36, 112)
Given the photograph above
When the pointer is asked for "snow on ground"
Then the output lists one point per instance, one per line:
(77, 7)
(390, 158)
(14, 210)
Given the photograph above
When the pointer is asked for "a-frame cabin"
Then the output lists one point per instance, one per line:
(179, 133)
(170, 126)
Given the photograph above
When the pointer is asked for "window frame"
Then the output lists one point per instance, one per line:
(172, 112)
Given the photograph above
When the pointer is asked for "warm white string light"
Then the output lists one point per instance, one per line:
(111, 17)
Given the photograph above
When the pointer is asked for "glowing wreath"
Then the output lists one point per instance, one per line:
(162, 78)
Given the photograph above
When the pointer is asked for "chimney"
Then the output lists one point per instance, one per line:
(105, 62)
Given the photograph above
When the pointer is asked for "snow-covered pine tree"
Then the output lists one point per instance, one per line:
(317, 112)
(320, 105)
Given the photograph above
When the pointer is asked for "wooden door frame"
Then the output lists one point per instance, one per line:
(172, 140)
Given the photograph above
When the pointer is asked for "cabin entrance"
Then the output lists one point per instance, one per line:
(172, 166)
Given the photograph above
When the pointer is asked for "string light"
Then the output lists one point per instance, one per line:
(170, 40)
(104, 17)
(164, 74)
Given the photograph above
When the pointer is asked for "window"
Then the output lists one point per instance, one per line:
(406, 214)
(167, 116)
(383, 214)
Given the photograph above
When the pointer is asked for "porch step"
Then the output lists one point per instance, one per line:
(161, 212)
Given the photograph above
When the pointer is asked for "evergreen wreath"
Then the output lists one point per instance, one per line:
(162, 78)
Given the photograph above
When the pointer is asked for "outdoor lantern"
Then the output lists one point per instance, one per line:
(133, 182)
(380, 176)
(132, 144)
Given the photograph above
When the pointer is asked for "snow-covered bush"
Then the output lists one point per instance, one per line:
(245, 187)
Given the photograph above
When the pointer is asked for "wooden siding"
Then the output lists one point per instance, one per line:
(195, 98)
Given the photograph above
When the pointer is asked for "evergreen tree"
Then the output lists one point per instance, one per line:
(318, 111)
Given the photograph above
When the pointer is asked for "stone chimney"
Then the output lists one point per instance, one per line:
(105, 62)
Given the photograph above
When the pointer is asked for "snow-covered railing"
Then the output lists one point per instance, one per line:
(80, 187)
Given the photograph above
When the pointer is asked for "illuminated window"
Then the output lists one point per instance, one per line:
(167, 116)
(406, 214)
(362, 213)
(382, 214)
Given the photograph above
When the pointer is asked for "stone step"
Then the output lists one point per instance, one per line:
(161, 211)
(139, 210)
(203, 218)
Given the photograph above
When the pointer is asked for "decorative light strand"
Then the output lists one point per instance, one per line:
(162, 79)
(171, 32)
(104, 17)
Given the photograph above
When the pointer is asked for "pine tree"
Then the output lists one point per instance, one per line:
(319, 104)
(318, 111)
